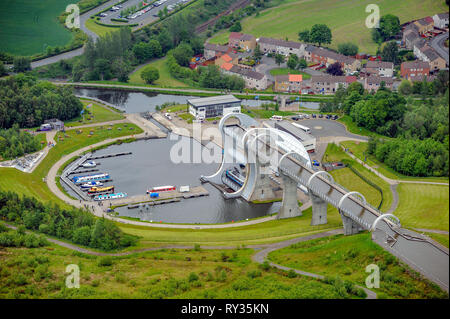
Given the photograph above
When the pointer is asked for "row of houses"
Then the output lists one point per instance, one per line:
(414, 38)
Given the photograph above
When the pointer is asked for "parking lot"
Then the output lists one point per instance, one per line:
(148, 14)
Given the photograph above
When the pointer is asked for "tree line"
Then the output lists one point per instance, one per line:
(27, 102)
(75, 225)
(16, 143)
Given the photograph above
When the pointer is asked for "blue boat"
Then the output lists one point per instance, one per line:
(91, 184)
(110, 196)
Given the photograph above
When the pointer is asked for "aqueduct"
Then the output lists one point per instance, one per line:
(264, 150)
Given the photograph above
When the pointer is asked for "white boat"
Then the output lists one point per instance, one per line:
(91, 184)
(89, 164)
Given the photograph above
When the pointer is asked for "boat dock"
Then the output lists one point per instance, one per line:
(70, 170)
(85, 171)
(164, 198)
(109, 155)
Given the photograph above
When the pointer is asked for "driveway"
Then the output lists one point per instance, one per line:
(438, 44)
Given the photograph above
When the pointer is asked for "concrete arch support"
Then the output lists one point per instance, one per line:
(350, 226)
(290, 206)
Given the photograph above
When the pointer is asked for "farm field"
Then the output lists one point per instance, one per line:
(423, 206)
(346, 19)
(165, 78)
(28, 27)
(348, 256)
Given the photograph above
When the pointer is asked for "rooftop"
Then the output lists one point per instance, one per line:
(227, 66)
(333, 79)
(293, 130)
(280, 43)
(221, 99)
(246, 72)
(378, 79)
(216, 47)
(415, 65)
(380, 64)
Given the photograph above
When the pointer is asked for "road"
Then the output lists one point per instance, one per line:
(438, 44)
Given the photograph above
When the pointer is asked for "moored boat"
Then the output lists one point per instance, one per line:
(161, 189)
(89, 164)
(110, 196)
(91, 184)
(97, 190)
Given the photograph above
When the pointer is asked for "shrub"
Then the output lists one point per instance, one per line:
(105, 262)
(192, 277)
(254, 273)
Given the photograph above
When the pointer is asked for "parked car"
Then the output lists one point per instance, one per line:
(315, 163)
(328, 116)
(295, 118)
(320, 116)
(306, 116)
(335, 117)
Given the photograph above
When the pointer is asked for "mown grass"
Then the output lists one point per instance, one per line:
(359, 149)
(423, 206)
(440, 238)
(100, 30)
(168, 273)
(28, 27)
(348, 257)
(345, 18)
(165, 78)
(99, 113)
(284, 71)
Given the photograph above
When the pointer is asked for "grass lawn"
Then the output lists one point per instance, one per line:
(28, 27)
(265, 114)
(189, 274)
(271, 231)
(423, 206)
(175, 108)
(353, 182)
(358, 149)
(440, 238)
(33, 184)
(99, 29)
(348, 256)
(346, 19)
(188, 117)
(99, 113)
(352, 127)
(165, 78)
(284, 71)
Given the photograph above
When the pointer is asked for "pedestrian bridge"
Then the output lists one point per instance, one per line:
(266, 149)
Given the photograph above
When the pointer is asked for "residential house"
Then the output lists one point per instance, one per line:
(427, 78)
(410, 37)
(288, 83)
(441, 20)
(227, 58)
(372, 83)
(253, 79)
(424, 25)
(233, 39)
(414, 69)
(328, 57)
(426, 53)
(269, 45)
(212, 50)
(328, 84)
(380, 68)
(243, 41)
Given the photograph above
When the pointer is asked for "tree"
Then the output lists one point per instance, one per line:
(304, 36)
(22, 64)
(320, 33)
(279, 58)
(236, 27)
(150, 74)
(257, 53)
(348, 49)
(292, 61)
(3, 70)
(389, 27)
(335, 69)
(405, 87)
(390, 52)
(302, 64)
(183, 54)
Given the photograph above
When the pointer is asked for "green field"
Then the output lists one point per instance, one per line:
(99, 113)
(348, 256)
(165, 78)
(28, 27)
(423, 206)
(284, 71)
(99, 29)
(168, 273)
(346, 19)
(440, 238)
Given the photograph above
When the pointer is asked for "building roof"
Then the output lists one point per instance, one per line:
(216, 47)
(333, 55)
(429, 78)
(295, 78)
(212, 100)
(430, 53)
(246, 37)
(282, 78)
(226, 58)
(280, 43)
(378, 79)
(442, 16)
(412, 36)
(380, 64)
(227, 66)
(411, 27)
(235, 35)
(415, 65)
(247, 73)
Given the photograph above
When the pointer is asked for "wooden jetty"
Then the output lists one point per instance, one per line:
(109, 155)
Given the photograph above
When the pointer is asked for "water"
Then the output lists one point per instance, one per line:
(137, 102)
(150, 165)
